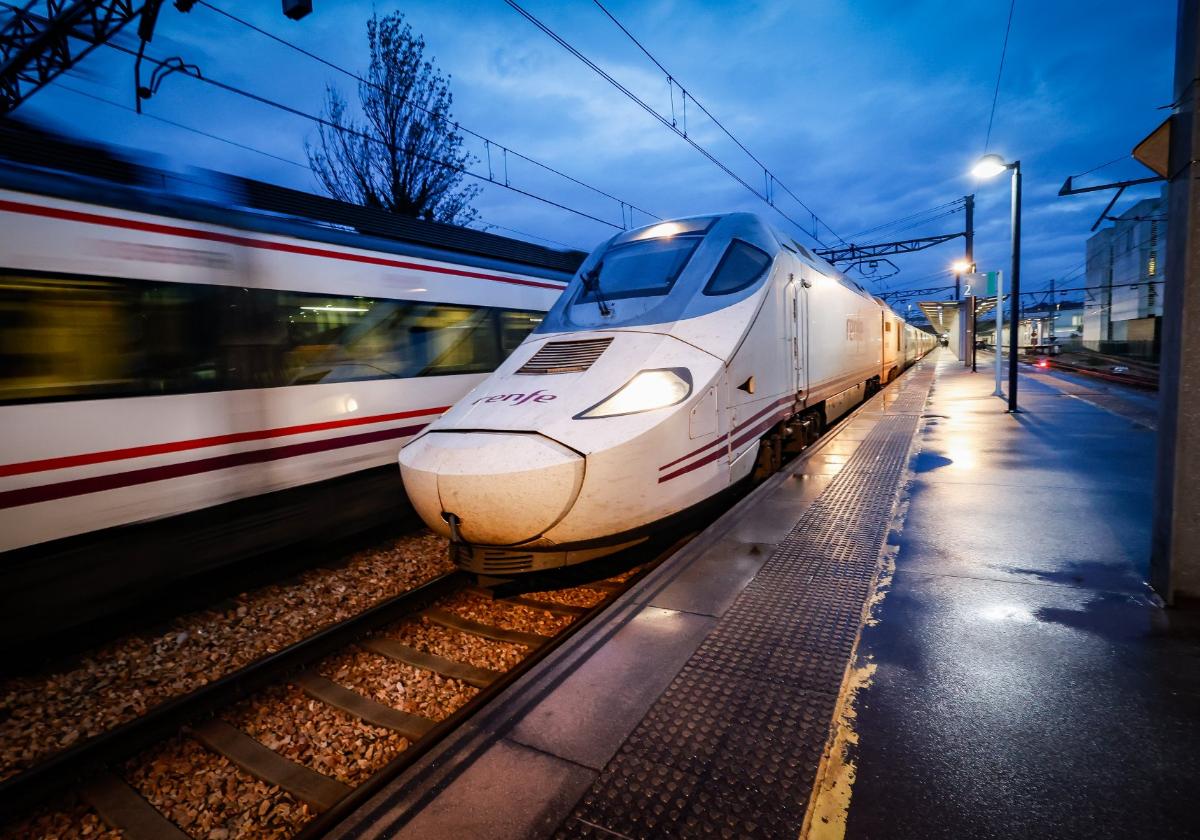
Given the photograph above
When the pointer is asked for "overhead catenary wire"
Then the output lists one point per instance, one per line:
(893, 222)
(1103, 165)
(670, 124)
(485, 226)
(484, 223)
(208, 80)
(915, 224)
(772, 180)
(999, 73)
(489, 142)
(193, 129)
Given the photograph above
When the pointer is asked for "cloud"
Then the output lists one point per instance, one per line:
(869, 111)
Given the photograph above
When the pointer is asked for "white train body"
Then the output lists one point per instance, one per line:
(649, 395)
(80, 451)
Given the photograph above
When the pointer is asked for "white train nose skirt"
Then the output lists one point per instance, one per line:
(504, 488)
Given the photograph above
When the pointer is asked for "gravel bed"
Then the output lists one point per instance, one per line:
(507, 616)
(400, 686)
(210, 798)
(317, 735)
(65, 824)
(578, 596)
(44, 713)
(457, 645)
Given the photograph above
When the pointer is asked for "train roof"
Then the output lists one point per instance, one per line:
(38, 161)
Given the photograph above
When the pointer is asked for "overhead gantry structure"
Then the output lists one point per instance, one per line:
(46, 38)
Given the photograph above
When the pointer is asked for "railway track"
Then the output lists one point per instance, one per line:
(237, 756)
(1125, 378)
(396, 677)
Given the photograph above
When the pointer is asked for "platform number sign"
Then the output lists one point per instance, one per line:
(985, 281)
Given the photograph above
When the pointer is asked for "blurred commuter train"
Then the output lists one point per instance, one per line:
(683, 358)
(189, 379)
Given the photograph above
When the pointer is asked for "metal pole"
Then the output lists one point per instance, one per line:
(1175, 546)
(975, 333)
(1015, 319)
(969, 233)
(957, 286)
(999, 339)
(969, 256)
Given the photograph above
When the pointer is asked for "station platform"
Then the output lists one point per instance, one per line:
(931, 625)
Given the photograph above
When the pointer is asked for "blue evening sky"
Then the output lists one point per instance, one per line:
(868, 111)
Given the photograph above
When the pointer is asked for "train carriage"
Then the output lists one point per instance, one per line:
(186, 380)
(683, 358)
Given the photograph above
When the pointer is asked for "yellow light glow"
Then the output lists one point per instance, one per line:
(663, 231)
(647, 391)
(961, 452)
(961, 266)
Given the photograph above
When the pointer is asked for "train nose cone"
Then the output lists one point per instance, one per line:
(504, 488)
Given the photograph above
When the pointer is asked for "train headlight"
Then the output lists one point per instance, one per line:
(647, 391)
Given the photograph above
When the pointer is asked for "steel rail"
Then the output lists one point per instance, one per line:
(325, 821)
(1132, 380)
(66, 768)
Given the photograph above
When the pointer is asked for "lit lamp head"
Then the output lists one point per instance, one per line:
(989, 166)
(960, 266)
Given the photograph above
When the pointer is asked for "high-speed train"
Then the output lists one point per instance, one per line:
(192, 367)
(682, 358)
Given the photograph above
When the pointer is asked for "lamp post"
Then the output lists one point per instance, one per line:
(988, 167)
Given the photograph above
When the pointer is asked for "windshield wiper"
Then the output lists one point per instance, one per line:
(591, 284)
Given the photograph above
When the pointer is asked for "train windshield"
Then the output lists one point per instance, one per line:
(638, 269)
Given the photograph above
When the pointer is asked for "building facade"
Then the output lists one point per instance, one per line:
(1125, 269)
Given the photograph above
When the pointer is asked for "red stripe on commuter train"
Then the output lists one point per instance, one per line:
(262, 244)
(114, 481)
(83, 459)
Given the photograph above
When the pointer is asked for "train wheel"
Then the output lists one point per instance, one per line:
(770, 455)
(814, 427)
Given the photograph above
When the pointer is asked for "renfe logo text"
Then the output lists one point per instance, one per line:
(517, 399)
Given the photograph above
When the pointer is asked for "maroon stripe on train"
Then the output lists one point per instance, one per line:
(114, 481)
(67, 461)
(713, 456)
(722, 439)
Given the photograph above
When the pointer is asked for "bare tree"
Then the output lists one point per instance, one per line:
(413, 164)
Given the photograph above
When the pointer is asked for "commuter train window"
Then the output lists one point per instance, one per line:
(346, 339)
(514, 326)
(68, 337)
(643, 268)
(88, 338)
(740, 268)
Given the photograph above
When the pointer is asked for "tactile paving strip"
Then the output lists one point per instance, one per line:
(732, 747)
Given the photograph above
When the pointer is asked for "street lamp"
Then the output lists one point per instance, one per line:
(990, 166)
(959, 267)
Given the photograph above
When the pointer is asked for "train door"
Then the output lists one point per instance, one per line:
(796, 336)
(761, 375)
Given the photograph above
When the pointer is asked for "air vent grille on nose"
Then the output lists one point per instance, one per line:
(565, 356)
(490, 560)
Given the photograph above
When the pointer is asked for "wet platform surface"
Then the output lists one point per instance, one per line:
(1014, 677)
(1026, 683)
